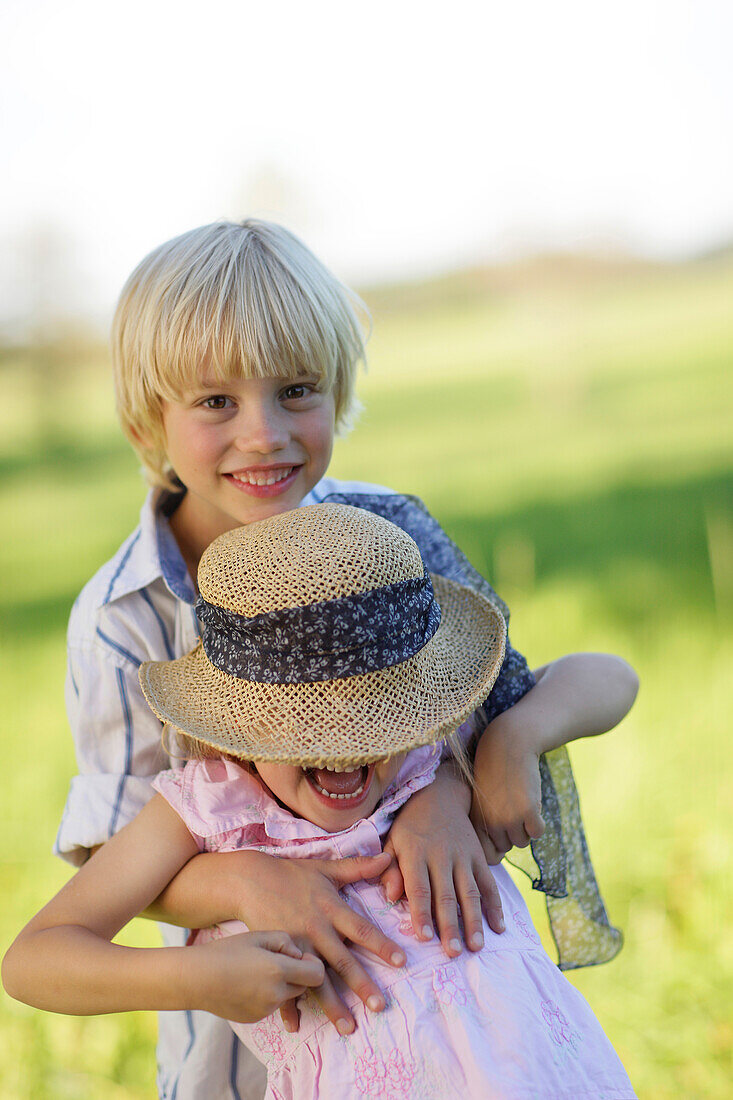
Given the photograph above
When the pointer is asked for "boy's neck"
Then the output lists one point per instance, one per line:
(193, 532)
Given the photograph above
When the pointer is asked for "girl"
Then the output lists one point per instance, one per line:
(332, 670)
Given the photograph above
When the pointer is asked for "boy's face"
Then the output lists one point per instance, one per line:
(245, 449)
(331, 800)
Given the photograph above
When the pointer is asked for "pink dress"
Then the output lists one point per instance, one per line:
(502, 1024)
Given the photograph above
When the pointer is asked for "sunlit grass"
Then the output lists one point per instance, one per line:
(575, 440)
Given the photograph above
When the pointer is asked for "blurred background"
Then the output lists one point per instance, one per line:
(536, 202)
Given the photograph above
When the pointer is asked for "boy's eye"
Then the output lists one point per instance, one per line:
(297, 391)
(217, 401)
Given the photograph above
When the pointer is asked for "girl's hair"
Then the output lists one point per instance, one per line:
(244, 299)
(181, 746)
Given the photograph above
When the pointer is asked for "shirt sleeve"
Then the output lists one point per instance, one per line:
(116, 736)
(514, 680)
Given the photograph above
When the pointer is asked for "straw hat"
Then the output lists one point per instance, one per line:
(325, 642)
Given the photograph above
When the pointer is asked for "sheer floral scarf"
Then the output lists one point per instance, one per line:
(558, 864)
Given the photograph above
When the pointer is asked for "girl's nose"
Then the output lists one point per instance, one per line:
(261, 430)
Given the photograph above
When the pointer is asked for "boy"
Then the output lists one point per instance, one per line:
(234, 354)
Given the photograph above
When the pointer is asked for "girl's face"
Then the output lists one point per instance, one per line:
(246, 449)
(331, 800)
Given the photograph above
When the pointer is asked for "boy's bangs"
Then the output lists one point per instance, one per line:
(256, 321)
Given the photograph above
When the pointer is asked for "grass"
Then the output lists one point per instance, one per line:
(573, 434)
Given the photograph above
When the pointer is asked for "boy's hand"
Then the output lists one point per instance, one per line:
(302, 895)
(248, 976)
(441, 866)
(507, 800)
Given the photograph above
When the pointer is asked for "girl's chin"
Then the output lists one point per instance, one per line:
(339, 821)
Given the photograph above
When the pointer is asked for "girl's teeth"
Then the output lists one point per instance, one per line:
(263, 479)
(339, 796)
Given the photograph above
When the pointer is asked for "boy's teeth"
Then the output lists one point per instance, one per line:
(263, 479)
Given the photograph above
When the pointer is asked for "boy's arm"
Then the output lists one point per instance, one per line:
(440, 857)
(581, 695)
(117, 738)
(440, 863)
(63, 960)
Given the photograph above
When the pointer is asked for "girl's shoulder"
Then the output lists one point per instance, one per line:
(213, 796)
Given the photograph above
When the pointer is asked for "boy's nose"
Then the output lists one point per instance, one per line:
(261, 431)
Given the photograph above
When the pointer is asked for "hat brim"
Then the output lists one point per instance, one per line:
(346, 722)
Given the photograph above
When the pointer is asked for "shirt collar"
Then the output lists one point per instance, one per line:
(172, 566)
(152, 553)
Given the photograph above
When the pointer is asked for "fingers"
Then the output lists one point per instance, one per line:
(393, 883)
(290, 1016)
(307, 973)
(345, 964)
(431, 891)
(530, 828)
(391, 880)
(347, 967)
(469, 899)
(518, 837)
(445, 905)
(361, 932)
(490, 898)
(491, 855)
(534, 823)
(280, 942)
(334, 1008)
(356, 868)
(500, 839)
(420, 898)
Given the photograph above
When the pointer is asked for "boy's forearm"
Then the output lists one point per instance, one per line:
(581, 695)
(42, 969)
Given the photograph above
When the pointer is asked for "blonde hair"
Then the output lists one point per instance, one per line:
(246, 299)
(182, 746)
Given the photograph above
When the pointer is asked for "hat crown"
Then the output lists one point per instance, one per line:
(309, 555)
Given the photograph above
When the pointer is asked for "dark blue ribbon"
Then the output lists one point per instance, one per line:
(330, 640)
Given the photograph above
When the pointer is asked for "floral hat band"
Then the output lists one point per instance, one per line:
(325, 642)
(329, 640)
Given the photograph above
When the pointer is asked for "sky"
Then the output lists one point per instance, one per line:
(396, 142)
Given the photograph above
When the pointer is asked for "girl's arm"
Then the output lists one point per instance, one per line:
(63, 960)
(581, 695)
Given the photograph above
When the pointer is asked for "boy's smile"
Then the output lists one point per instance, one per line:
(264, 481)
(246, 449)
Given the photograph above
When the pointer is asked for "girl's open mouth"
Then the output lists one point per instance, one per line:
(341, 789)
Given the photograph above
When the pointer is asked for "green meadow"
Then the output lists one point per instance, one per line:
(571, 425)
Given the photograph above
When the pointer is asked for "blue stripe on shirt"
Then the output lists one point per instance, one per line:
(166, 641)
(233, 1067)
(121, 566)
(125, 704)
(189, 1048)
(120, 649)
